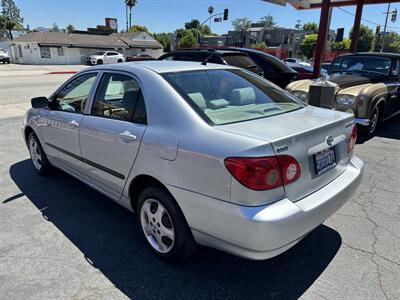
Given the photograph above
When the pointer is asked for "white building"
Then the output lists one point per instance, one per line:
(73, 48)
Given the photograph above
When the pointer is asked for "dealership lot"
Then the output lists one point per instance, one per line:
(61, 239)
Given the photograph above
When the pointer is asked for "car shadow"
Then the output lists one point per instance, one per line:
(107, 235)
(389, 129)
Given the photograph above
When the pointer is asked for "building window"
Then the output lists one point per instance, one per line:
(45, 52)
(20, 51)
(143, 50)
(60, 51)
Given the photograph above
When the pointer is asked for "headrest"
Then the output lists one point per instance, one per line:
(243, 96)
(198, 99)
(217, 103)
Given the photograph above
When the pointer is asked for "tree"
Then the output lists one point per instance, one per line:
(365, 38)
(129, 4)
(11, 18)
(193, 24)
(188, 40)
(241, 24)
(70, 28)
(138, 28)
(308, 44)
(268, 21)
(341, 46)
(210, 11)
(163, 39)
(311, 26)
(55, 28)
(392, 40)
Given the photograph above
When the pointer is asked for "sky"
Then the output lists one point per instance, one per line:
(168, 15)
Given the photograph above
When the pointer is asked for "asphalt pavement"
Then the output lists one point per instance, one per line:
(59, 239)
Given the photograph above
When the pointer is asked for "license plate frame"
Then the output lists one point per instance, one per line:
(327, 154)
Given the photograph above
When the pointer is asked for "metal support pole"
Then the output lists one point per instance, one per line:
(384, 29)
(356, 26)
(323, 27)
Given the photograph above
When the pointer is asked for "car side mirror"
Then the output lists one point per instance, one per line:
(40, 102)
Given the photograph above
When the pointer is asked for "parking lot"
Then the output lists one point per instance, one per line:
(61, 239)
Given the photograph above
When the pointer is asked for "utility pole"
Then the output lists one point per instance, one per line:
(384, 29)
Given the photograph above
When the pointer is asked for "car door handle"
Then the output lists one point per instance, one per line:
(73, 123)
(126, 135)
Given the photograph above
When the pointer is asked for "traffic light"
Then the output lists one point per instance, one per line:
(394, 15)
(226, 11)
(378, 30)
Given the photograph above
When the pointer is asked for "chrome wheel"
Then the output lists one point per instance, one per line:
(374, 120)
(36, 154)
(157, 225)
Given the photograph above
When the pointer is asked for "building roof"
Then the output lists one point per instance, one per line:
(115, 40)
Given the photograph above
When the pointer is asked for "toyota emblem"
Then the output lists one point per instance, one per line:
(329, 140)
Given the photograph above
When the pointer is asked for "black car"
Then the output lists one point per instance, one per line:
(223, 57)
(274, 69)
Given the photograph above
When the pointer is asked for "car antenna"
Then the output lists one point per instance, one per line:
(204, 62)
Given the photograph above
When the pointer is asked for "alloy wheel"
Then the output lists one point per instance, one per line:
(157, 225)
(36, 154)
(374, 120)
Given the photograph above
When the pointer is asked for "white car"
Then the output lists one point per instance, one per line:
(4, 57)
(105, 57)
(297, 61)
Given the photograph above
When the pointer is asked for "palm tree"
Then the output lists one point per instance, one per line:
(210, 11)
(130, 4)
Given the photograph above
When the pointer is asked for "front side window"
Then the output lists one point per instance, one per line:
(230, 96)
(73, 97)
(361, 64)
(45, 52)
(119, 97)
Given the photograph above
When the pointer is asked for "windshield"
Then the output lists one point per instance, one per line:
(361, 64)
(230, 96)
(100, 53)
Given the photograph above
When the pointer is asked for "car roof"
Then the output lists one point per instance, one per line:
(377, 54)
(218, 51)
(161, 66)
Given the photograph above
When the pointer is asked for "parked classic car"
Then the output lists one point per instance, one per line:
(105, 57)
(274, 69)
(204, 153)
(216, 56)
(366, 84)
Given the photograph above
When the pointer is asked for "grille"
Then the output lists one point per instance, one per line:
(322, 94)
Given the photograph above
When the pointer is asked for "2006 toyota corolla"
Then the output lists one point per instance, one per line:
(205, 154)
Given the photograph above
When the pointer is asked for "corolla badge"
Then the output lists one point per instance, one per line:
(329, 140)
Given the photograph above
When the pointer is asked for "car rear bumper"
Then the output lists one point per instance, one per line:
(264, 231)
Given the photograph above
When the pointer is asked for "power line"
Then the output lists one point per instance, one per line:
(367, 21)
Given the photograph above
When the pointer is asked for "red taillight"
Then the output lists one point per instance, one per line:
(352, 140)
(263, 173)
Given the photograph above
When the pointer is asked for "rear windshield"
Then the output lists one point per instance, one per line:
(239, 60)
(230, 96)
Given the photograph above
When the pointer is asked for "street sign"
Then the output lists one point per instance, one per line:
(219, 19)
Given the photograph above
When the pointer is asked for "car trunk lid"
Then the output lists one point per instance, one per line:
(303, 134)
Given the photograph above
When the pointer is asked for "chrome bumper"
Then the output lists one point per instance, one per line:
(264, 231)
(363, 122)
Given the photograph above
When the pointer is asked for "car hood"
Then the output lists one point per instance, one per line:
(4, 55)
(344, 81)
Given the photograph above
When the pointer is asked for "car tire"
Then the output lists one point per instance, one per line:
(163, 225)
(38, 156)
(120, 61)
(375, 117)
(99, 62)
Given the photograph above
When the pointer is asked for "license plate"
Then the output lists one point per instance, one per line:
(324, 161)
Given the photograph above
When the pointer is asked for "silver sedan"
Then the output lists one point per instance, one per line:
(205, 154)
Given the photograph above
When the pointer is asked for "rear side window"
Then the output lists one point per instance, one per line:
(239, 60)
(230, 96)
(118, 97)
